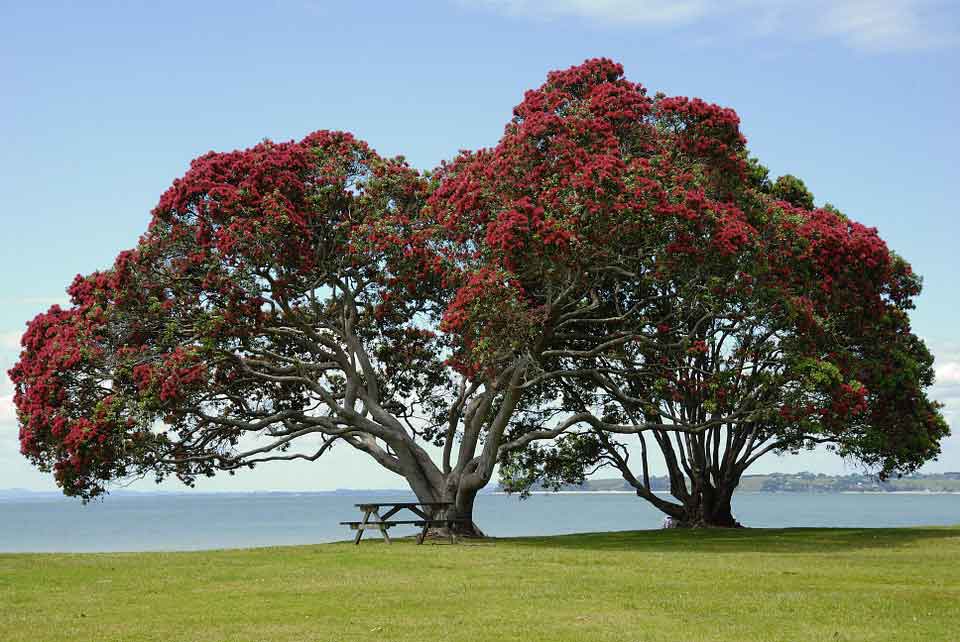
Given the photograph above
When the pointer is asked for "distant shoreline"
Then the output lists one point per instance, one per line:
(898, 492)
(947, 483)
(575, 492)
(765, 492)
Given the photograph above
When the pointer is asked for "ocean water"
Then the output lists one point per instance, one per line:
(207, 521)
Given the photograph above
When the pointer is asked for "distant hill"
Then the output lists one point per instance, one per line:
(772, 483)
(797, 483)
(26, 493)
(17, 493)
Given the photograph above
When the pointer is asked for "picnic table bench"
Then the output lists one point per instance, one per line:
(424, 511)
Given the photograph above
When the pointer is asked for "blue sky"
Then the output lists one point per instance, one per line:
(102, 105)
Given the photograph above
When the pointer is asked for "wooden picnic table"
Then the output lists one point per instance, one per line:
(424, 511)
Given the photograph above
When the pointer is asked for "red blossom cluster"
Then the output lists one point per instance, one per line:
(68, 415)
(706, 130)
(169, 380)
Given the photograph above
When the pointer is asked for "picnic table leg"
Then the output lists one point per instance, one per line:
(383, 529)
(423, 533)
(366, 516)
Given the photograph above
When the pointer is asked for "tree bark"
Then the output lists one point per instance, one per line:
(709, 507)
(462, 498)
(462, 509)
(453, 490)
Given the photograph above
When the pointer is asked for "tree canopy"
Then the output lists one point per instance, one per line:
(615, 268)
(285, 298)
(736, 319)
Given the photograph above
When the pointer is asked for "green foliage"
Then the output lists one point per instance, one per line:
(758, 175)
(791, 189)
(818, 374)
(566, 462)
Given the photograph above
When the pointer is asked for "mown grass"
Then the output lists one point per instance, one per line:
(794, 584)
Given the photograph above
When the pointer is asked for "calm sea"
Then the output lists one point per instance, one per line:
(205, 521)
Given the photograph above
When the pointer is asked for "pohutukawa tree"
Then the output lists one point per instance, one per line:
(614, 268)
(272, 310)
(679, 299)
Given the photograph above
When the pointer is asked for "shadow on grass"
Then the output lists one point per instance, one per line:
(746, 540)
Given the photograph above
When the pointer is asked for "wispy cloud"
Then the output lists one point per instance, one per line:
(614, 11)
(8, 413)
(867, 25)
(888, 25)
(10, 340)
(948, 373)
(946, 387)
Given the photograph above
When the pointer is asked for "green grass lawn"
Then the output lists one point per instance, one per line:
(795, 584)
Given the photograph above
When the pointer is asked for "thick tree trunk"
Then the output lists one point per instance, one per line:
(702, 479)
(709, 507)
(462, 498)
(462, 510)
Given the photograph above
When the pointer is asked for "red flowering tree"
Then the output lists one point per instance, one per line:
(666, 295)
(273, 309)
(614, 268)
